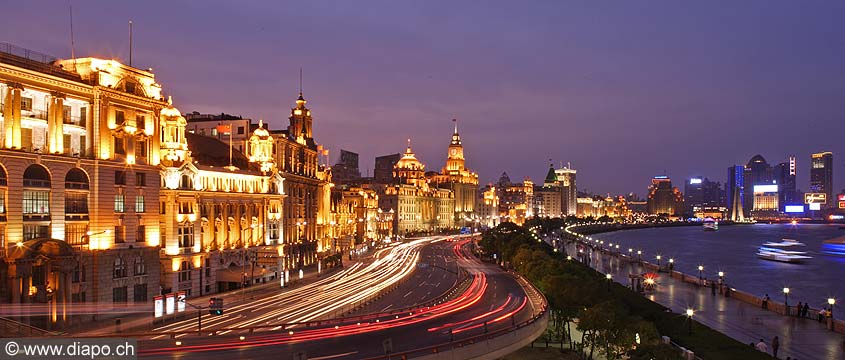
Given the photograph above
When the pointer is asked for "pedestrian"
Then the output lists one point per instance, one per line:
(805, 310)
(766, 302)
(775, 346)
(761, 346)
(713, 288)
(798, 309)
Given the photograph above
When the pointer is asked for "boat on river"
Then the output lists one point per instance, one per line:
(835, 246)
(783, 251)
(709, 224)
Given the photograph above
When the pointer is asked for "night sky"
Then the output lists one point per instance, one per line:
(622, 90)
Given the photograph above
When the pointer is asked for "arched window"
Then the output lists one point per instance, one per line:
(119, 268)
(3, 177)
(185, 182)
(36, 176)
(76, 179)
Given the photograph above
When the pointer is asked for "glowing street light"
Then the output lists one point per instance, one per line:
(700, 272)
(690, 313)
(831, 302)
(786, 300)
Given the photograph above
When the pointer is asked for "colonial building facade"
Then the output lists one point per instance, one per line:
(419, 207)
(464, 183)
(79, 178)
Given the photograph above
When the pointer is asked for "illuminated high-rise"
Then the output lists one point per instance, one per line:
(569, 191)
(821, 174)
(784, 175)
(663, 199)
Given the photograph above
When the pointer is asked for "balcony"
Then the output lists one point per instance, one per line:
(40, 114)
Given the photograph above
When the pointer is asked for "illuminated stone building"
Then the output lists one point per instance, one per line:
(79, 181)
(515, 199)
(307, 211)
(220, 211)
(487, 208)
(419, 207)
(356, 217)
(547, 197)
(463, 182)
(296, 155)
(663, 199)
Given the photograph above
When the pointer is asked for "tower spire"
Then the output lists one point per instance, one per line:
(300, 82)
(456, 125)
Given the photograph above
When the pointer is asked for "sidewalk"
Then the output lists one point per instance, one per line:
(799, 338)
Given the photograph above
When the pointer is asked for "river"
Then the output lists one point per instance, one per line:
(733, 249)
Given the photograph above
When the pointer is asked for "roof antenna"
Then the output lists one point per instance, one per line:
(72, 47)
(130, 42)
(456, 125)
(300, 81)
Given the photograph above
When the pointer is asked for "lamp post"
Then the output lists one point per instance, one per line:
(609, 279)
(721, 280)
(658, 263)
(700, 272)
(831, 302)
(690, 313)
(786, 300)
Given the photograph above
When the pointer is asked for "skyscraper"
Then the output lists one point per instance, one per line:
(735, 189)
(663, 199)
(784, 174)
(757, 172)
(821, 175)
(703, 196)
(569, 191)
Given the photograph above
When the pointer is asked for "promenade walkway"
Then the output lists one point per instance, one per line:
(799, 338)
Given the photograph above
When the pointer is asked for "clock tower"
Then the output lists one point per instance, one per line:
(455, 161)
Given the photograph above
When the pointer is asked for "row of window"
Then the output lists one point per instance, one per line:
(120, 203)
(120, 178)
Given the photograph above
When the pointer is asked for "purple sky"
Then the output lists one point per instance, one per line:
(623, 90)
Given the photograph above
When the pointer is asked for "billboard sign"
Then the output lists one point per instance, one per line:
(694, 181)
(815, 198)
(842, 204)
(815, 206)
(169, 304)
(794, 208)
(159, 306)
(765, 188)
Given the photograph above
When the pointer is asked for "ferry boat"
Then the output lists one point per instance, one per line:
(710, 224)
(783, 251)
(835, 246)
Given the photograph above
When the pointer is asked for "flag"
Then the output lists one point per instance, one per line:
(224, 128)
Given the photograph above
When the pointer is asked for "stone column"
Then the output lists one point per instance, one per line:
(12, 116)
(55, 123)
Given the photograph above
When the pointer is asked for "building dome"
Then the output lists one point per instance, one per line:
(757, 159)
(409, 160)
(170, 111)
(261, 132)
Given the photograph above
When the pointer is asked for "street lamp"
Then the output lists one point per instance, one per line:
(658, 262)
(690, 313)
(786, 300)
(609, 279)
(831, 302)
(700, 270)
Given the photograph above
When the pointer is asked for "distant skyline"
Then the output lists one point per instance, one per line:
(623, 91)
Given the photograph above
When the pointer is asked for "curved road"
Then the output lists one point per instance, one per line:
(487, 299)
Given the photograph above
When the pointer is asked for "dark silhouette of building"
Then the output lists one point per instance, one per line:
(784, 175)
(346, 171)
(383, 171)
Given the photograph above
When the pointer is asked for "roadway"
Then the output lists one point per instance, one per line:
(487, 299)
(327, 297)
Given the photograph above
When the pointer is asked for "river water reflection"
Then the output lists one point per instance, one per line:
(733, 250)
